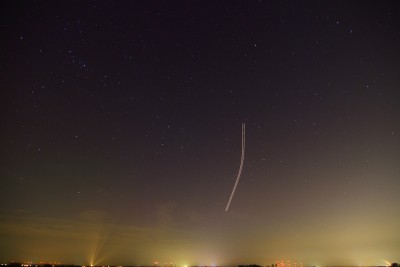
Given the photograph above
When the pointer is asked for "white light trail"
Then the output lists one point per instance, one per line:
(241, 165)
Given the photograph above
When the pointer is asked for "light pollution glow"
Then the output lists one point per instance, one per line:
(91, 243)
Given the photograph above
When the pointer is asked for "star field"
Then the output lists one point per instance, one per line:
(121, 132)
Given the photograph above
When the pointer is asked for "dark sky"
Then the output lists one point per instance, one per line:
(121, 132)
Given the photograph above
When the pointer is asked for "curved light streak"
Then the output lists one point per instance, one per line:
(241, 165)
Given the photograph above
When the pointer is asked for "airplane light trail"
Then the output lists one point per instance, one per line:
(241, 165)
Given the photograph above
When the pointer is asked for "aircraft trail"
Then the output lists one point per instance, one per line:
(241, 165)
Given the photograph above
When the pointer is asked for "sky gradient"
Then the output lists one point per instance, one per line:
(121, 132)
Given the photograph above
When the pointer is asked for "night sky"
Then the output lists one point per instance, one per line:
(121, 132)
